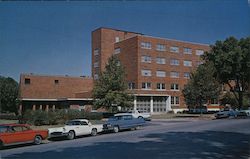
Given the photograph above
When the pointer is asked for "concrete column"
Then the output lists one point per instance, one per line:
(20, 109)
(135, 105)
(41, 107)
(168, 104)
(47, 108)
(53, 107)
(151, 104)
(34, 107)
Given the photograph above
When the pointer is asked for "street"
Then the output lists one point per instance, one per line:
(161, 139)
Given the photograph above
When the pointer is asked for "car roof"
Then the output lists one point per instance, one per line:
(122, 114)
(80, 120)
(14, 124)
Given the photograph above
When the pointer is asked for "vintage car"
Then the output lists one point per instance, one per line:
(76, 127)
(137, 114)
(226, 114)
(123, 121)
(13, 134)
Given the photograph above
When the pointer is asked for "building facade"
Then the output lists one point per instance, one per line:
(156, 69)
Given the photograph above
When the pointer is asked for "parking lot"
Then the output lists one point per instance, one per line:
(228, 138)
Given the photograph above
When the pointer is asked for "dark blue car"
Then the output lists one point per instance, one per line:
(122, 122)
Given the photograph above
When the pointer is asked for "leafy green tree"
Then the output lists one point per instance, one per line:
(201, 87)
(231, 59)
(111, 89)
(8, 94)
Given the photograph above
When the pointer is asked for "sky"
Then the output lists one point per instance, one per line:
(54, 38)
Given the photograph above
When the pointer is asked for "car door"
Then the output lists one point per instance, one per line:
(16, 134)
(85, 128)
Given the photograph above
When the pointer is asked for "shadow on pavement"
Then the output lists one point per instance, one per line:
(186, 145)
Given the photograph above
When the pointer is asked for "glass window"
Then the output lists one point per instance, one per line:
(174, 86)
(174, 74)
(186, 75)
(174, 49)
(175, 100)
(96, 76)
(26, 81)
(146, 59)
(146, 45)
(117, 51)
(199, 52)
(131, 85)
(174, 62)
(96, 52)
(56, 81)
(117, 39)
(199, 63)
(160, 73)
(160, 47)
(161, 86)
(96, 64)
(187, 63)
(187, 50)
(160, 60)
(146, 72)
(146, 85)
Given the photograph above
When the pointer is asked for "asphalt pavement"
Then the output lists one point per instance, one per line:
(161, 139)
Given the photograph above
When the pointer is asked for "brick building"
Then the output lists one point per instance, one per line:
(156, 69)
(54, 92)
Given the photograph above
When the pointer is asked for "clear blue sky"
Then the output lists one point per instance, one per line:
(54, 38)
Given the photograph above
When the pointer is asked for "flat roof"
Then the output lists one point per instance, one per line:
(117, 30)
(43, 75)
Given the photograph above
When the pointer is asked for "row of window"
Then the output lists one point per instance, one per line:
(161, 73)
(159, 86)
(162, 60)
(27, 81)
(174, 49)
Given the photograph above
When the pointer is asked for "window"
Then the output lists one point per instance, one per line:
(174, 74)
(146, 45)
(214, 101)
(187, 63)
(117, 39)
(175, 100)
(160, 74)
(199, 63)
(56, 81)
(146, 72)
(186, 75)
(96, 64)
(96, 52)
(160, 60)
(199, 52)
(146, 85)
(187, 50)
(174, 49)
(96, 76)
(174, 62)
(161, 86)
(26, 81)
(118, 63)
(146, 59)
(160, 47)
(117, 51)
(174, 86)
(131, 85)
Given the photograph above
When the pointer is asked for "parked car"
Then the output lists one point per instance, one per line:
(243, 113)
(137, 114)
(13, 134)
(123, 121)
(226, 114)
(75, 128)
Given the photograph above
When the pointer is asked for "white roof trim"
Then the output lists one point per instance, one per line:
(54, 99)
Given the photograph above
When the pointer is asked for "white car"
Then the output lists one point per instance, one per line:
(137, 114)
(76, 127)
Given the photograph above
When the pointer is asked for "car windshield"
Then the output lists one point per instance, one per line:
(3, 129)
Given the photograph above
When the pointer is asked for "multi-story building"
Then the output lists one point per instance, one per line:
(156, 68)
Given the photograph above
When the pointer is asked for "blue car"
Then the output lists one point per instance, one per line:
(122, 122)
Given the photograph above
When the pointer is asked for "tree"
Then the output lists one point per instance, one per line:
(110, 89)
(231, 59)
(8, 94)
(201, 87)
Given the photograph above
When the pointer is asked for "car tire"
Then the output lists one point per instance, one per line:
(140, 117)
(93, 132)
(71, 135)
(38, 140)
(116, 129)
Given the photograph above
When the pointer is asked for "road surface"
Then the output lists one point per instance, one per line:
(191, 139)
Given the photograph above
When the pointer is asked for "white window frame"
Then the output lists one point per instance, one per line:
(174, 74)
(161, 47)
(174, 100)
(187, 63)
(161, 86)
(96, 52)
(185, 75)
(174, 49)
(146, 59)
(117, 39)
(147, 86)
(96, 76)
(160, 73)
(117, 50)
(175, 87)
(174, 62)
(146, 45)
(187, 50)
(146, 73)
(96, 64)
(199, 52)
(161, 60)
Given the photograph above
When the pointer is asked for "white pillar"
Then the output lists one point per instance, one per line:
(168, 104)
(135, 106)
(151, 104)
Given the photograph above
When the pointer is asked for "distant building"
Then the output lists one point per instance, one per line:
(54, 92)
